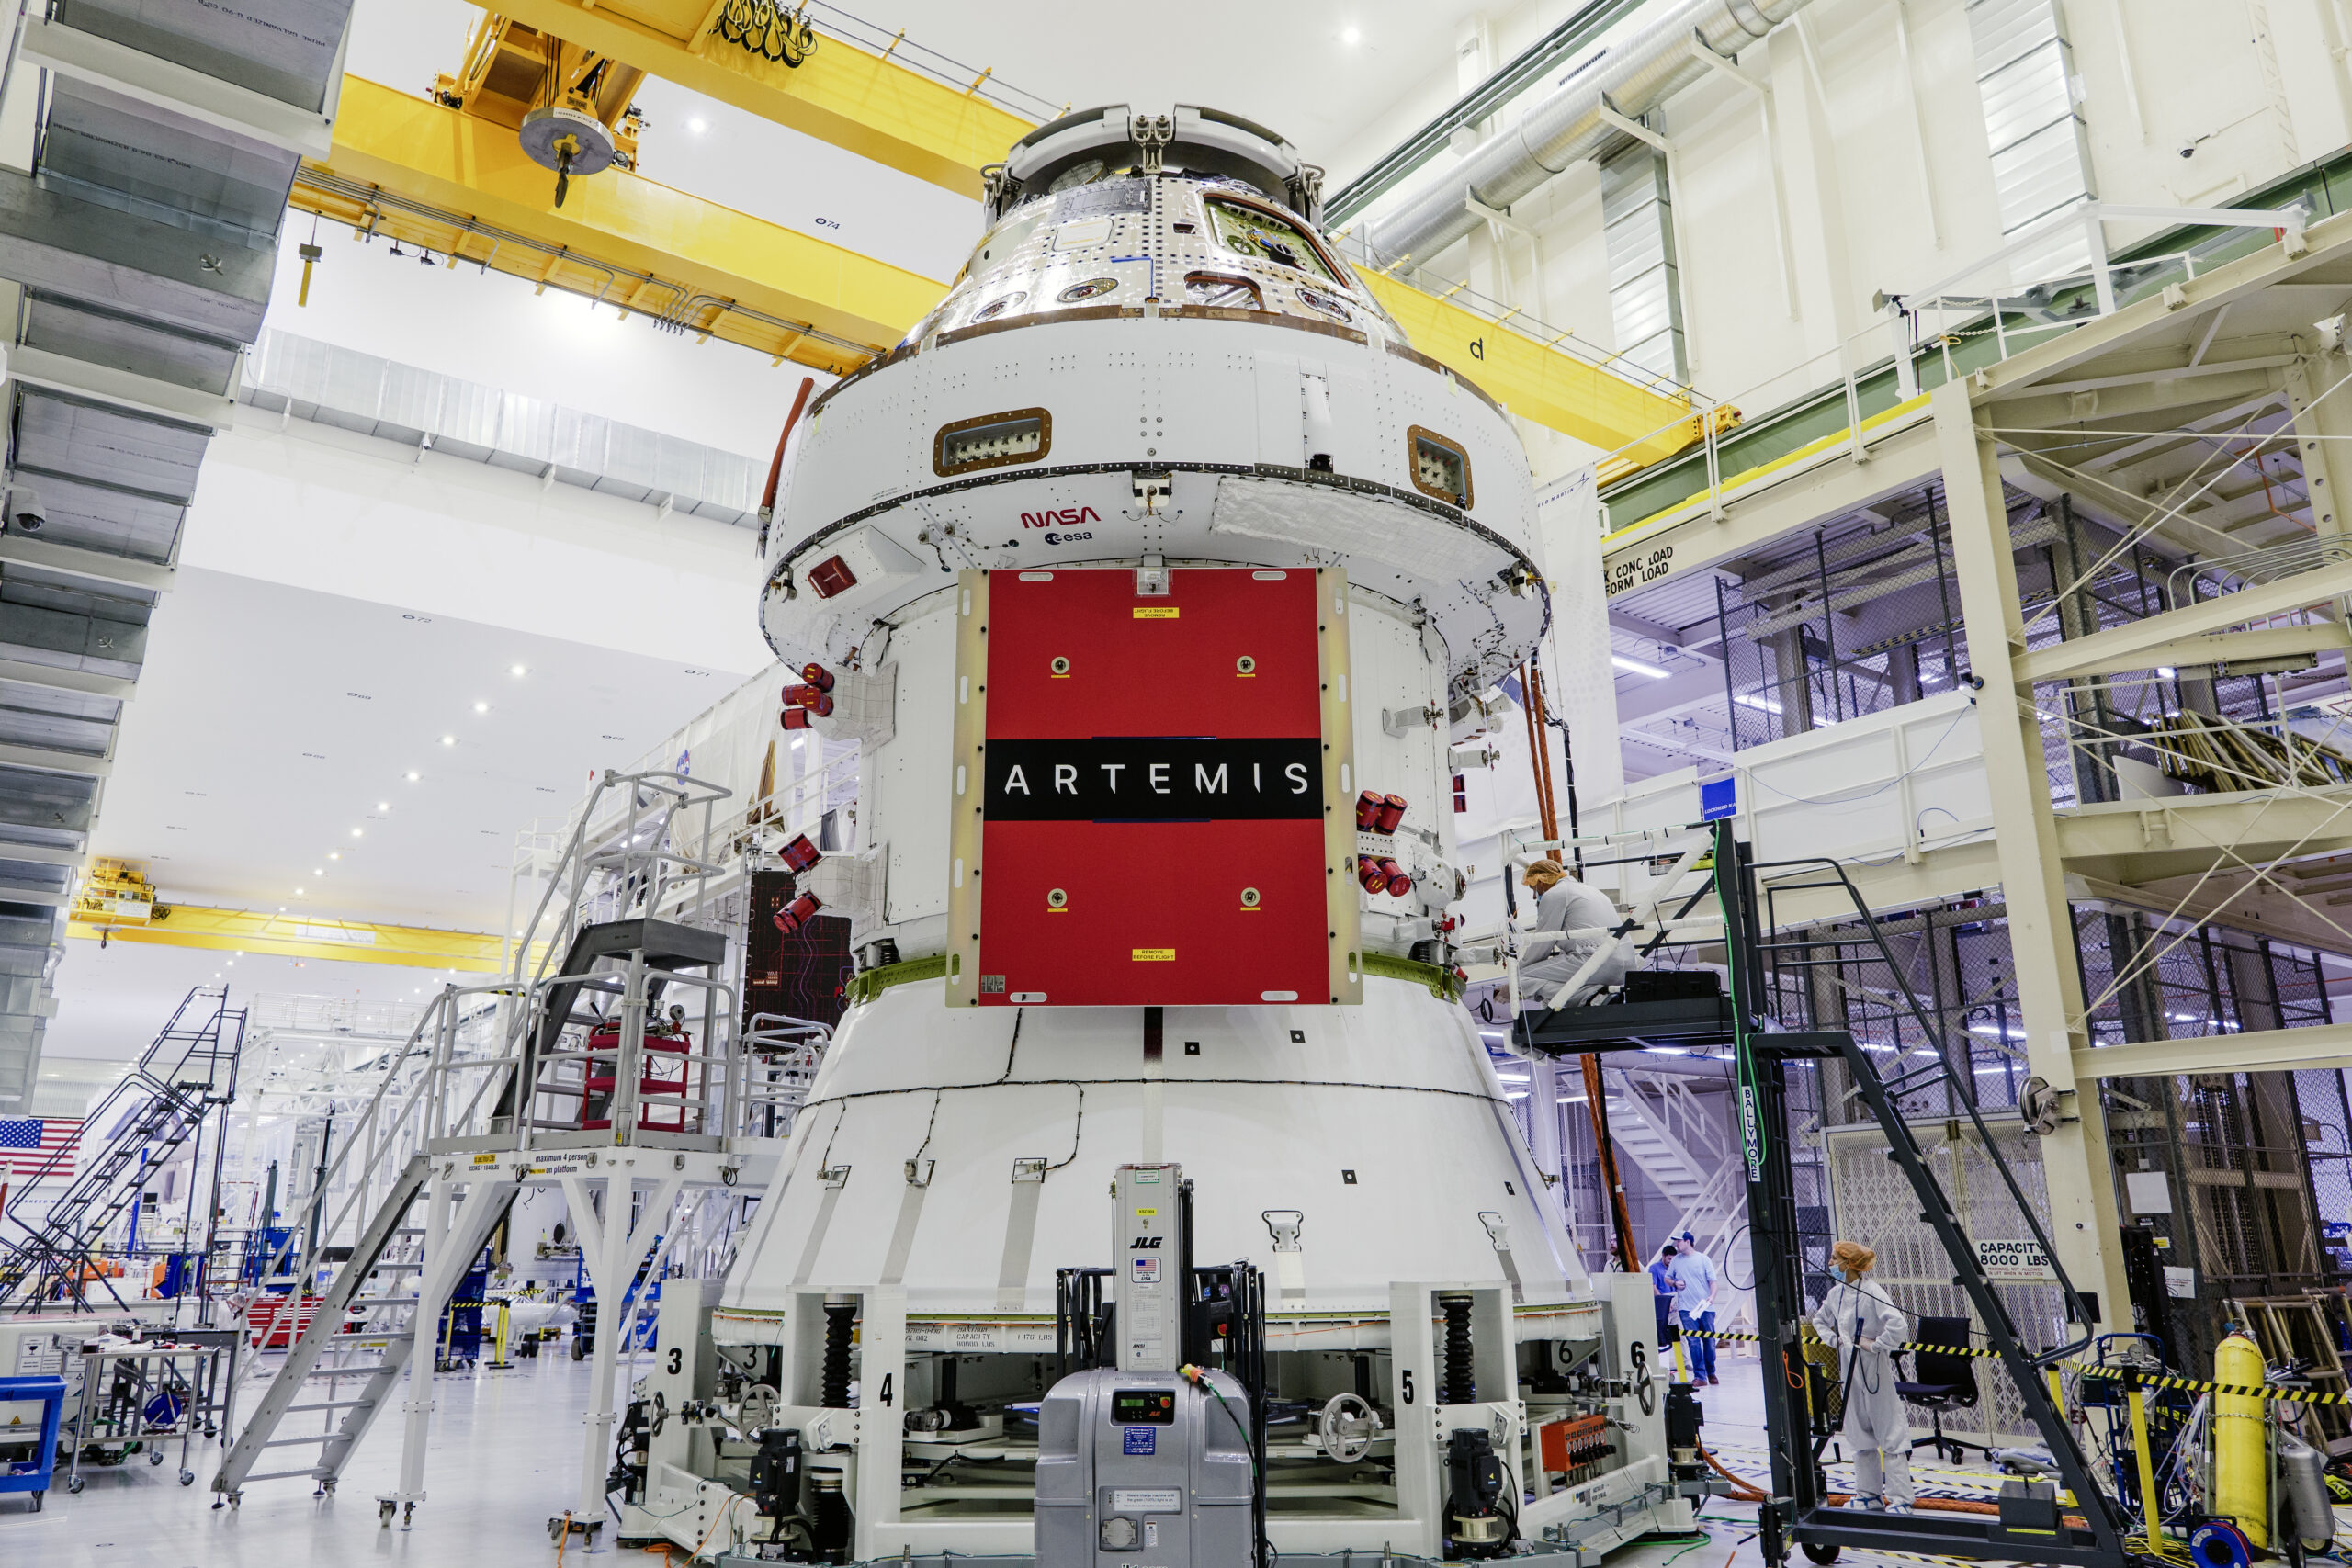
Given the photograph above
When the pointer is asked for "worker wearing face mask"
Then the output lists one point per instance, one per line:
(1572, 923)
(1862, 1321)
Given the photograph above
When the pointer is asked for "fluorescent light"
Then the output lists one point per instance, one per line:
(1665, 1050)
(383, 805)
(318, 870)
(482, 707)
(1995, 1031)
(1636, 667)
(1762, 705)
(448, 741)
(358, 832)
(334, 854)
(412, 776)
(1512, 1077)
(517, 670)
(297, 891)
(2167, 671)
(1352, 36)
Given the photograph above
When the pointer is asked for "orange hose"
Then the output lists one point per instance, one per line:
(775, 467)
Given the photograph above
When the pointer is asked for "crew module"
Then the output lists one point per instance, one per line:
(1156, 1192)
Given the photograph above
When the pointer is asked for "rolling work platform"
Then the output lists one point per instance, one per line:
(2090, 1530)
(610, 1061)
(188, 1072)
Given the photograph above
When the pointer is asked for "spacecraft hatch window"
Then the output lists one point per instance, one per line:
(991, 441)
(1222, 291)
(998, 306)
(1079, 173)
(1440, 468)
(1264, 235)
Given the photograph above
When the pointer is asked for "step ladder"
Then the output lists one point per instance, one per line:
(188, 1071)
(362, 1338)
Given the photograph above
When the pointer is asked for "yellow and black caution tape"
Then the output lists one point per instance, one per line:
(2104, 1372)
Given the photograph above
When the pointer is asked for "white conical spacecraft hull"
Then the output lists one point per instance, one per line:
(1154, 366)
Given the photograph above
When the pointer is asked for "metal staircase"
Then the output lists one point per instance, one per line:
(548, 1063)
(360, 1339)
(161, 1103)
(1684, 1145)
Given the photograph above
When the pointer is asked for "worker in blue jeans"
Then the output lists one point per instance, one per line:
(1663, 1286)
(1694, 1302)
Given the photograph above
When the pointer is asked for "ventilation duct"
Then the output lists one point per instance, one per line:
(1567, 126)
(2040, 165)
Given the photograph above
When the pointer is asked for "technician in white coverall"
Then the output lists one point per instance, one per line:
(1859, 1318)
(1572, 922)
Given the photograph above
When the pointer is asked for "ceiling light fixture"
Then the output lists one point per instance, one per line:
(297, 891)
(1636, 667)
(1352, 36)
(356, 833)
(482, 707)
(413, 775)
(334, 854)
(448, 741)
(383, 805)
(318, 870)
(516, 670)
(697, 125)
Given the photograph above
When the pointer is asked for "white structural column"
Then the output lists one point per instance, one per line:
(612, 1248)
(2324, 431)
(2079, 1171)
(1581, 682)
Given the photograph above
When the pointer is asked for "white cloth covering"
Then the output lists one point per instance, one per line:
(1572, 922)
(1866, 1327)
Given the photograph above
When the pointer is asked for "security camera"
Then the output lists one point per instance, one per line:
(25, 513)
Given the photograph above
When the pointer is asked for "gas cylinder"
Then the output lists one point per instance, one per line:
(2240, 1440)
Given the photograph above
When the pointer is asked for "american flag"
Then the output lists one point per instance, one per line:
(28, 1143)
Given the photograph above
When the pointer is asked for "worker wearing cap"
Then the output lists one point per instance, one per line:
(1572, 923)
(1663, 1286)
(1862, 1321)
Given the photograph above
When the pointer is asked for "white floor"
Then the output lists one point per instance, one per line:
(504, 1457)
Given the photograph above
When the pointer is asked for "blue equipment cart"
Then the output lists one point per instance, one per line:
(32, 1475)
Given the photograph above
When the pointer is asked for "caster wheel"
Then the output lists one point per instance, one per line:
(39, 1498)
(384, 1512)
(1817, 1552)
(187, 1478)
(73, 1484)
(157, 1457)
(578, 1349)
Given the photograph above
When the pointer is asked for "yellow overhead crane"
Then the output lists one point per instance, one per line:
(454, 178)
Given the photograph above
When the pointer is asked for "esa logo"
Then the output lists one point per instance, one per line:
(1069, 539)
(1060, 517)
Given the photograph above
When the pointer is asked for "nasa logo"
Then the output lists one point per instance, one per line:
(1069, 539)
(1060, 517)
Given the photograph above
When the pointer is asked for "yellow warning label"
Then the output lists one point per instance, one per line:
(485, 1159)
(1157, 612)
(1154, 956)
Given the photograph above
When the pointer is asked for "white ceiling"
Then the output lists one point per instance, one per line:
(273, 721)
(1288, 65)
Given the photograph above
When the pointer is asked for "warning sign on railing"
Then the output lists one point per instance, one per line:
(2014, 1262)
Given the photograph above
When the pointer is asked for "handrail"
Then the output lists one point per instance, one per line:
(2076, 1308)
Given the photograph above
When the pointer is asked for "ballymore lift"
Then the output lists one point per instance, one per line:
(2079, 1522)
